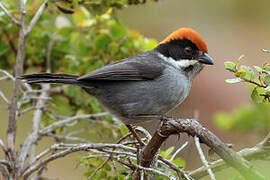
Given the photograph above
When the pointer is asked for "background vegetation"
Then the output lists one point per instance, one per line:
(81, 36)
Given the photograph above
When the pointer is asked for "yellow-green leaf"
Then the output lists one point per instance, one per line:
(255, 96)
(267, 80)
(234, 80)
(168, 151)
(259, 69)
(179, 162)
(240, 74)
(82, 17)
(230, 66)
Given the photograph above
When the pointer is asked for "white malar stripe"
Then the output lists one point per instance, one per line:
(183, 63)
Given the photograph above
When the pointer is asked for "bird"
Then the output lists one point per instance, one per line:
(144, 86)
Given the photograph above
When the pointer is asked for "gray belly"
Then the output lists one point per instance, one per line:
(126, 99)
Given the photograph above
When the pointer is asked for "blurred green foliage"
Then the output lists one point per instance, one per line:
(253, 117)
(83, 41)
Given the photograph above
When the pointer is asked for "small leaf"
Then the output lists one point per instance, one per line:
(179, 162)
(168, 151)
(82, 17)
(102, 41)
(3, 48)
(230, 66)
(255, 96)
(267, 80)
(267, 88)
(249, 73)
(239, 59)
(265, 65)
(118, 31)
(259, 69)
(124, 129)
(234, 80)
(240, 74)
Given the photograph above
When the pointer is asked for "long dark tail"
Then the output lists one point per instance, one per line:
(52, 79)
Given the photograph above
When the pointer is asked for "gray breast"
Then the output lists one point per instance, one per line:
(126, 99)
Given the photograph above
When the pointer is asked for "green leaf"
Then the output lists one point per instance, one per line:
(102, 41)
(265, 65)
(238, 61)
(240, 74)
(179, 162)
(255, 96)
(168, 152)
(82, 17)
(259, 69)
(267, 80)
(230, 66)
(124, 130)
(118, 31)
(3, 48)
(249, 73)
(234, 80)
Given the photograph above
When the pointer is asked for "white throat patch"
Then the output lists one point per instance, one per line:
(183, 63)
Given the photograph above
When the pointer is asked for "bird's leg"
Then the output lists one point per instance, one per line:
(135, 135)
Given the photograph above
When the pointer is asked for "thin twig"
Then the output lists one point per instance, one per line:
(36, 18)
(4, 162)
(2, 95)
(135, 166)
(66, 138)
(4, 173)
(259, 151)
(179, 150)
(70, 148)
(13, 19)
(58, 124)
(175, 168)
(99, 168)
(266, 50)
(203, 159)
(3, 146)
(7, 74)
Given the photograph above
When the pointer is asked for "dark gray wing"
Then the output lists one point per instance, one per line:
(144, 66)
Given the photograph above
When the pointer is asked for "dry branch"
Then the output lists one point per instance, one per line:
(11, 130)
(13, 19)
(193, 128)
(259, 151)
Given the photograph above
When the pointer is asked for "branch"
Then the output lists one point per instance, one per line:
(4, 173)
(135, 167)
(259, 151)
(11, 130)
(13, 19)
(172, 126)
(203, 159)
(3, 96)
(58, 124)
(179, 150)
(68, 149)
(36, 18)
(33, 137)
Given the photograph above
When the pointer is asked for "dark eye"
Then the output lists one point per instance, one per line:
(188, 50)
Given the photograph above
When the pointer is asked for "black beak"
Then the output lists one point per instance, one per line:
(205, 59)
